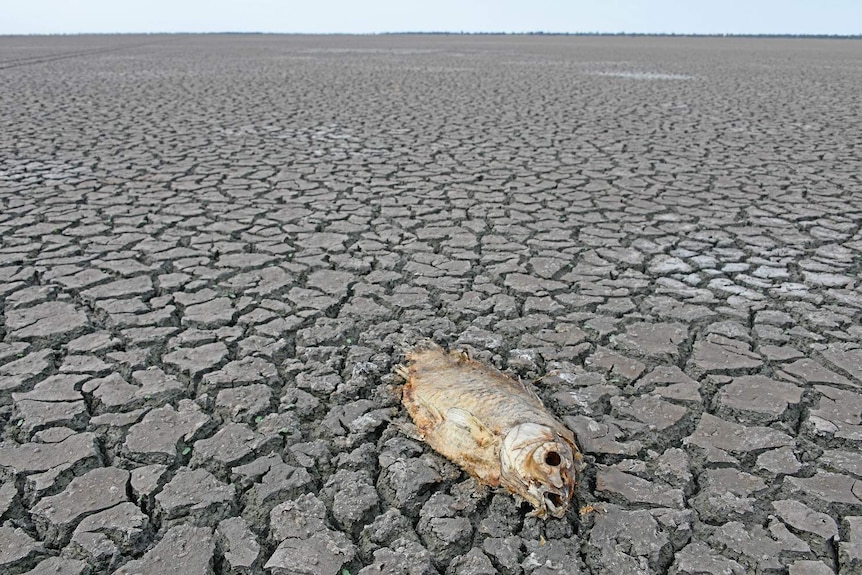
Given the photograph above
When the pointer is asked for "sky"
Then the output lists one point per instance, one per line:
(842, 17)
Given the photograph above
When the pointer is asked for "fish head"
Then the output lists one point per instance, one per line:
(540, 464)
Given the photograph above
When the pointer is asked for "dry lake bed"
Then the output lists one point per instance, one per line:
(214, 250)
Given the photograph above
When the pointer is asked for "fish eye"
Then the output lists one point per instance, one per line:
(552, 458)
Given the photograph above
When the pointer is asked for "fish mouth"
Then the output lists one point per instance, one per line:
(548, 502)
(555, 503)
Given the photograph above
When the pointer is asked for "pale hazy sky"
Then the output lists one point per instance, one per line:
(369, 16)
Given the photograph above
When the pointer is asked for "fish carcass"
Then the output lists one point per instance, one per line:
(492, 426)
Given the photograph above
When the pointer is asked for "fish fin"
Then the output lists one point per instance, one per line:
(463, 418)
(423, 345)
(530, 389)
(578, 459)
(408, 429)
(432, 412)
(402, 371)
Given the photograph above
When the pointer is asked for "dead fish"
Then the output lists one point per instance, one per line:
(492, 426)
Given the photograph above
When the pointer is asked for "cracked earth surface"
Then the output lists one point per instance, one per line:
(215, 248)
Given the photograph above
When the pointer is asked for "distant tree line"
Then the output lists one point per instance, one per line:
(636, 34)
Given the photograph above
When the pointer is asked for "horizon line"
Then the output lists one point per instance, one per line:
(458, 33)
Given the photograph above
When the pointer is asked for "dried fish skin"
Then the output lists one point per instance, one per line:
(492, 426)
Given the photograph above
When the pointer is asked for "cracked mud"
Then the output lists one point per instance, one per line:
(214, 249)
